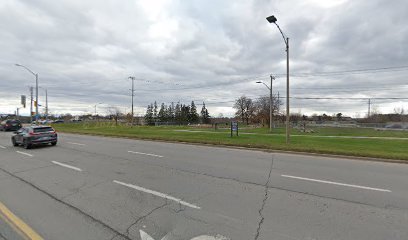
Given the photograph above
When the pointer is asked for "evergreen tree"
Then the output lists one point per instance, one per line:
(185, 113)
(155, 111)
(193, 115)
(162, 116)
(149, 115)
(177, 113)
(205, 116)
(170, 112)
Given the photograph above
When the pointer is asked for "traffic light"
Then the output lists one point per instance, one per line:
(23, 100)
(35, 103)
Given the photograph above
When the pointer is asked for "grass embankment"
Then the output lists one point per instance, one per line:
(376, 148)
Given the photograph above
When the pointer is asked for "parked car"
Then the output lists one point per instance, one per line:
(44, 122)
(34, 135)
(59, 121)
(10, 125)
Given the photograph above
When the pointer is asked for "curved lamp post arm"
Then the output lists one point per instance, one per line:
(264, 84)
(285, 39)
(19, 65)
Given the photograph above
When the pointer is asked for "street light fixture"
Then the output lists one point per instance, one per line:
(36, 89)
(96, 116)
(272, 19)
(95, 107)
(133, 94)
(270, 103)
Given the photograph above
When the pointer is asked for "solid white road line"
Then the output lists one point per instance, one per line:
(2, 147)
(337, 183)
(79, 144)
(67, 166)
(148, 154)
(159, 194)
(27, 154)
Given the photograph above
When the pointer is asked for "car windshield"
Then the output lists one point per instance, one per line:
(43, 129)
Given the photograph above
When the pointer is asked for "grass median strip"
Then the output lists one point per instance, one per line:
(361, 142)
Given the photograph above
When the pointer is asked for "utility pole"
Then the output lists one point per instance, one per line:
(46, 105)
(36, 98)
(287, 92)
(31, 105)
(133, 94)
(369, 108)
(271, 106)
(278, 105)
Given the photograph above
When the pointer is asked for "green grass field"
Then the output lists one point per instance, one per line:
(261, 138)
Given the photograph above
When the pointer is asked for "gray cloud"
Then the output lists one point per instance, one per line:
(210, 51)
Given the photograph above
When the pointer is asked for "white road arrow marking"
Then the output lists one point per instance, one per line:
(145, 236)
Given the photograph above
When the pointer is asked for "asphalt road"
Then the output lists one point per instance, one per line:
(90, 187)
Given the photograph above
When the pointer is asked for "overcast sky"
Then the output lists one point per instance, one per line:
(211, 51)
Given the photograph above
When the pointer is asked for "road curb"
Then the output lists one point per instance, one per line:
(327, 155)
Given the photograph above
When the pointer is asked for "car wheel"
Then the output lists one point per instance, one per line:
(26, 145)
(13, 140)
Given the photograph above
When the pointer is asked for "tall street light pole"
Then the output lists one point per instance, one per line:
(36, 89)
(270, 103)
(46, 103)
(133, 94)
(95, 110)
(272, 19)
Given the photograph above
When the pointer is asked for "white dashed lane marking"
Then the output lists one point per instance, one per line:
(159, 194)
(27, 154)
(148, 154)
(67, 166)
(336, 183)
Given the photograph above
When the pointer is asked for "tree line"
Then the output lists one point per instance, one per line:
(257, 111)
(176, 113)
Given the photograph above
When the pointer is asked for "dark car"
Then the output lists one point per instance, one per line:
(34, 135)
(59, 121)
(10, 125)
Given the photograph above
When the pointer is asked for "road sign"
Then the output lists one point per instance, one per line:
(234, 127)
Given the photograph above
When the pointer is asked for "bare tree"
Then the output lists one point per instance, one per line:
(115, 113)
(262, 106)
(240, 107)
(399, 110)
(245, 108)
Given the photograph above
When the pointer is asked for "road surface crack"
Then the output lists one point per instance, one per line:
(102, 224)
(145, 216)
(171, 168)
(262, 218)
